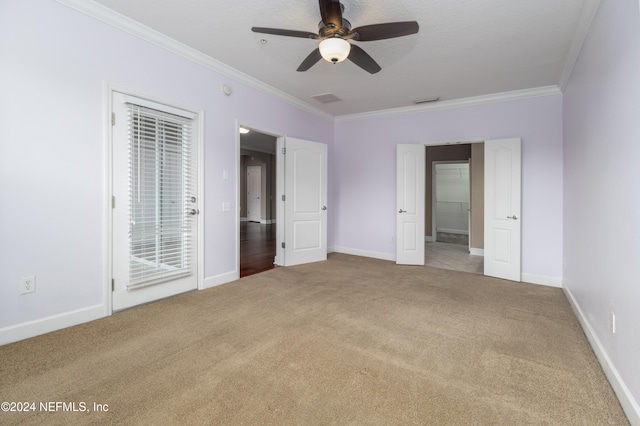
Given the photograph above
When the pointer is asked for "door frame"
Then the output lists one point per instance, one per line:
(280, 136)
(461, 141)
(108, 90)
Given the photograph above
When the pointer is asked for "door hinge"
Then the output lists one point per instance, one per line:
(113, 118)
(113, 201)
(113, 284)
(282, 244)
(284, 197)
(284, 151)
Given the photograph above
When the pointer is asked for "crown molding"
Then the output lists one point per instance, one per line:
(456, 103)
(589, 10)
(128, 25)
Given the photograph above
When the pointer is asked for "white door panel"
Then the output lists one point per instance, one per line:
(306, 202)
(155, 188)
(502, 208)
(254, 193)
(307, 235)
(410, 208)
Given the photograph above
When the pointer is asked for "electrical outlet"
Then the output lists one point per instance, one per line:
(612, 322)
(28, 284)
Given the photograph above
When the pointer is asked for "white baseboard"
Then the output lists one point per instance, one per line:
(476, 252)
(243, 219)
(49, 324)
(220, 279)
(628, 403)
(363, 253)
(541, 280)
(68, 319)
(429, 239)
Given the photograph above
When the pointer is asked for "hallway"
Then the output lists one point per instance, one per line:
(257, 247)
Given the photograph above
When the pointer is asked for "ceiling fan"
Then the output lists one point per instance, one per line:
(334, 33)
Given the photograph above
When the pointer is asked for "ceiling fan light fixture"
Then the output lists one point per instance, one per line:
(334, 49)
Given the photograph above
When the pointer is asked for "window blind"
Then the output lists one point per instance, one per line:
(160, 183)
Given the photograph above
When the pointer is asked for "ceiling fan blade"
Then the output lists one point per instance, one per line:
(384, 31)
(331, 12)
(310, 60)
(363, 60)
(287, 33)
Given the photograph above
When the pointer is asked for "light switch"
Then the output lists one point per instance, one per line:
(226, 206)
(225, 175)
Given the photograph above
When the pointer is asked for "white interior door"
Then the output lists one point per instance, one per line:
(155, 185)
(305, 233)
(502, 180)
(410, 206)
(254, 193)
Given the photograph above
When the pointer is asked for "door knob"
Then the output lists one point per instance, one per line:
(514, 217)
(402, 211)
(324, 207)
(193, 212)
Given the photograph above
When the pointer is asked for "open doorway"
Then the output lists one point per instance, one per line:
(258, 227)
(451, 205)
(496, 201)
(455, 240)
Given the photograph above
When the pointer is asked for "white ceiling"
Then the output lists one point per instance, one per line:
(464, 49)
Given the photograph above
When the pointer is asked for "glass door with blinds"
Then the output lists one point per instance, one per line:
(155, 205)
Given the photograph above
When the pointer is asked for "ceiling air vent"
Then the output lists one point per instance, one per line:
(326, 98)
(424, 101)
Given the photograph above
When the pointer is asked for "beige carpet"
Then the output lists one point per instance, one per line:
(352, 341)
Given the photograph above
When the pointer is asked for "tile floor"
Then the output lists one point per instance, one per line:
(453, 256)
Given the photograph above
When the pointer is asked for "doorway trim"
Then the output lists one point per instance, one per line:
(461, 141)
(280, 136)
(447, 142)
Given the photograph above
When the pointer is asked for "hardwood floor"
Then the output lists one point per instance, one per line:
(257, 247)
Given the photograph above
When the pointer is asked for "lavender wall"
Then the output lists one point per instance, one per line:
(55, 64)
(364, 184)
(601, 197)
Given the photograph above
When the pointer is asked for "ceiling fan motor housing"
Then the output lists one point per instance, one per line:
(326, 31)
